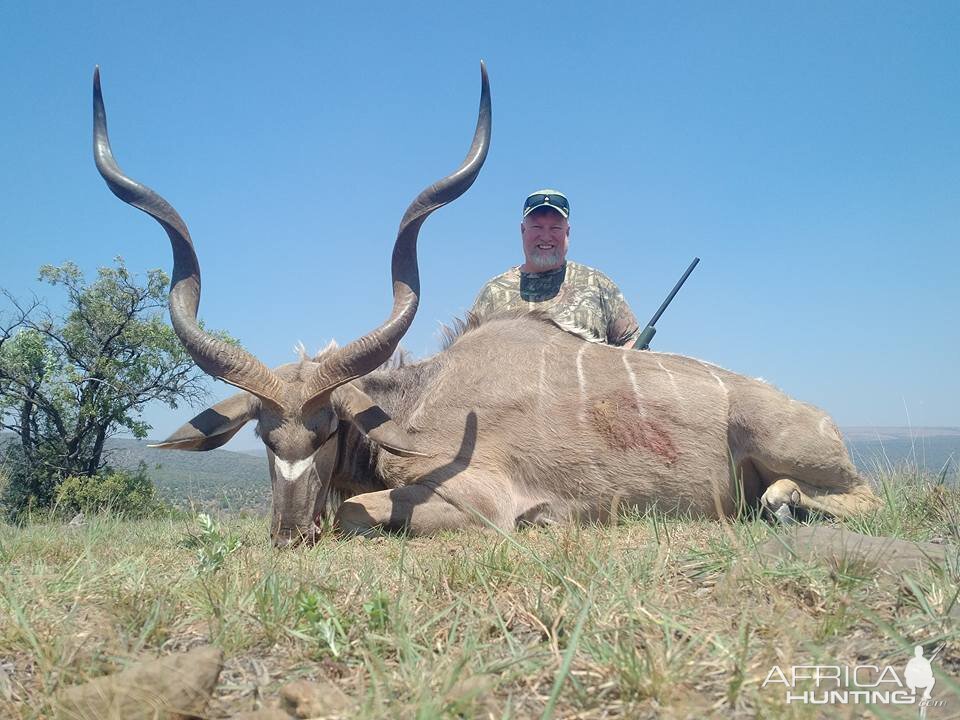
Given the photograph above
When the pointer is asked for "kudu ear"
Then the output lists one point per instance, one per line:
(353, 405)
(215, 425)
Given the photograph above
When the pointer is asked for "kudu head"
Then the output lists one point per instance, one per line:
(298, 407)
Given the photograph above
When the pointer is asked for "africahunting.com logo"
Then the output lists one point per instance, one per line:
(859, 684)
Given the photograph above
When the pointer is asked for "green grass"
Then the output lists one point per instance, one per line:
(640, 619)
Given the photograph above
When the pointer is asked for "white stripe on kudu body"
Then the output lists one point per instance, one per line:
(582, 379)
(825, 427)
(726, 392)
(580, 376)
(673, 382)
(542, 387)
(633, 381)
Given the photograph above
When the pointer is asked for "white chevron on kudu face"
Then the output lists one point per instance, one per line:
(291, 471)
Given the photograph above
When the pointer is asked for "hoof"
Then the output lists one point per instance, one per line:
(781, 504)
(784, 516)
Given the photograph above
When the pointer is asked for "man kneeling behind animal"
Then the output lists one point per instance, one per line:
(576, 296)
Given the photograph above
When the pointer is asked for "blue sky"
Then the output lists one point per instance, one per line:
(809, 153)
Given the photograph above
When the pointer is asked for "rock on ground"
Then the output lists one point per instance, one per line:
(263, 714)
(839, 547)
(175, 686)
(305, 699)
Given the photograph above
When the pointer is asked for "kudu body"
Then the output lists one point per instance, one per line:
(525, 422)
(517, 421)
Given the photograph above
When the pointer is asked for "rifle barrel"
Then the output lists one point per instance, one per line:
(676, 289)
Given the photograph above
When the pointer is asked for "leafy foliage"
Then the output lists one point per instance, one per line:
(377, 610)
(213, 546)
(120, 492)
(67, 383)
(321, 623)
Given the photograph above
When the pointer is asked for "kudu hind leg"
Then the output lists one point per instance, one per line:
(811, 470)
(787, 499)
(800, 456)
(424, 510)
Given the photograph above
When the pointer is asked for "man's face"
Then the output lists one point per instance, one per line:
(545, 234)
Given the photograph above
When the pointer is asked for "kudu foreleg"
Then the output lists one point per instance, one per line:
(420, 509)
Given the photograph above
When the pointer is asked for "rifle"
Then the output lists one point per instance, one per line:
(643, 342)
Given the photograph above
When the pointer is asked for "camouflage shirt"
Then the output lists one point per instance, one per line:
(574, 295)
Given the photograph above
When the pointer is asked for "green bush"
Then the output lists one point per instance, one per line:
(119, 492)
(4, 488)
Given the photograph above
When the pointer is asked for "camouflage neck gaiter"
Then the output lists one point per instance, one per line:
(540, 286)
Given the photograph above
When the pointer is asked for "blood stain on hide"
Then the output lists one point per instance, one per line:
(617, 419)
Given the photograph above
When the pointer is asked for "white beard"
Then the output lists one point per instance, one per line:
(545, 259)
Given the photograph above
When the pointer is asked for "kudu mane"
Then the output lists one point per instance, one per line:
(450, 334)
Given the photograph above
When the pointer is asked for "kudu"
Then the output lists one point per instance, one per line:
(517, 421)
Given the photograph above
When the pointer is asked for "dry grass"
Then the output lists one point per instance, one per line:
(631, 621)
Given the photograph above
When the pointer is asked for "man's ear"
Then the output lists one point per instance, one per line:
(353, 405)
(215, 425)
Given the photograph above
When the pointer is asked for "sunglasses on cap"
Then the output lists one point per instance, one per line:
(557, 201)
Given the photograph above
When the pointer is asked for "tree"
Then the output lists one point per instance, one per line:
(69, 383)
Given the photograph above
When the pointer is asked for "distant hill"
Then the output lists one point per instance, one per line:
(218, 478)
(933, 450)
(898, 433)
(241, 481)
(213, 479)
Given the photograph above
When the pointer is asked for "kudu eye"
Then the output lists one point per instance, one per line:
(324, 429)
(270, 446)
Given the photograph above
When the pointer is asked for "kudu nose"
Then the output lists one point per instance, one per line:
(283, 541)
(292, 538)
